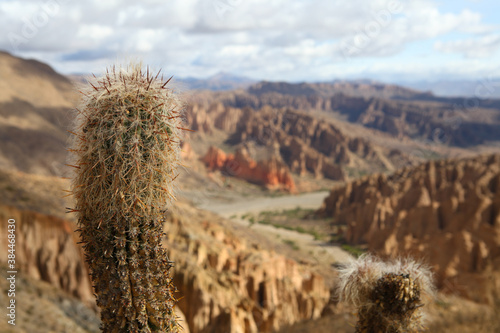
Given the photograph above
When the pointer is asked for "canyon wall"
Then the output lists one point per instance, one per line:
(444, 212)
(226, 283)
(229, 283)
(306, 144)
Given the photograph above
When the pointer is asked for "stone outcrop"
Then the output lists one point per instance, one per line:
(445, 212)
(46, 250)
(271, 172)
(215, 158)
(229, 284)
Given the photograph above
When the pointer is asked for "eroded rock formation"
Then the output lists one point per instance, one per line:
(228, 284)
(225, 283)
(46, 250)
(446, 212)
(395, 110)
(307, 144)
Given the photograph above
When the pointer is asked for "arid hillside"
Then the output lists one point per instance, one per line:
(305, 134)
(247, 144)
(35, 113)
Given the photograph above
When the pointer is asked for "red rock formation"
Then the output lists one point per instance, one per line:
(446, 212)
(271, 172)
(275, 173)
(215, 159)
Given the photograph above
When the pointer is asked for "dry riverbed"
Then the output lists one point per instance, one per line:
(248, 212)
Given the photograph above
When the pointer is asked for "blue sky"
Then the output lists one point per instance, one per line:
(292, 40)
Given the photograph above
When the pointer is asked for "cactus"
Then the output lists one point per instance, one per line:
(126, 151)
(387, 295)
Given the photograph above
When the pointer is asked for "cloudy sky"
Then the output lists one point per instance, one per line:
(293, 40)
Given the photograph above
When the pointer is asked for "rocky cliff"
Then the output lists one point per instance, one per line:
(305, 143)
(205, 116)
(272, 172)
(311, 144)
(228, 283)
(445, 212)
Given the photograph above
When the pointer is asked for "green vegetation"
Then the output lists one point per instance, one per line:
(355, 172)
(297, 212)
(292, 244)
(354, 250)
(270, 217)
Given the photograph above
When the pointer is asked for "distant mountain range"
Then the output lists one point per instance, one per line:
(484, 88)
(219, 81)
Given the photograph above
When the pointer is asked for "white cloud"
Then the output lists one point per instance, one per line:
(261, 38)
(94, 31)
(481, 47)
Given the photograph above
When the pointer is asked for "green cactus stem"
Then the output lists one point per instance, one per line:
(126, 151)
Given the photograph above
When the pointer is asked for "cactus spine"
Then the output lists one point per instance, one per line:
(387, 295)
(126, 150)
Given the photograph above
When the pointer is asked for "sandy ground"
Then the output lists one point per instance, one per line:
(319, 251)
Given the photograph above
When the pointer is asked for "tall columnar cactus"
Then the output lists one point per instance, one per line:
(387, 295)
(126, 151)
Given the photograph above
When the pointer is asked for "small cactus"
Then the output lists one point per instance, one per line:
(387, 295)
(126, 151)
